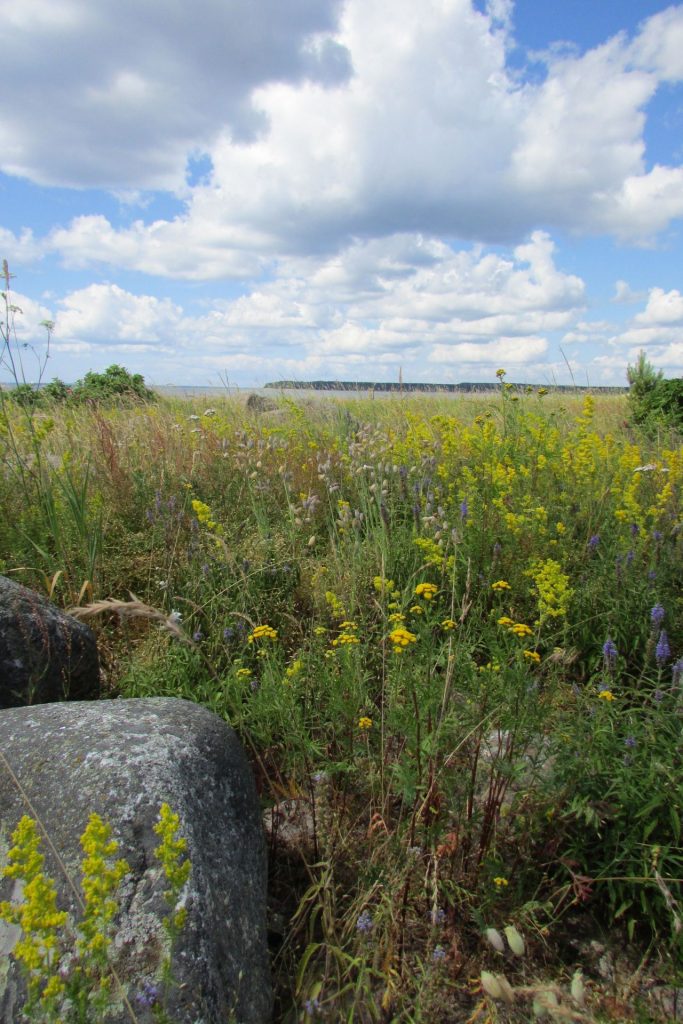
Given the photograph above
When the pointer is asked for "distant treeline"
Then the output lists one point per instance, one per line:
(361, 385)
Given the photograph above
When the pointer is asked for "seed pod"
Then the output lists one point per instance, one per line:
(578, 989)
(491, 985)
(495, 939)
(544, 1003)
(506, 989)
(515, 940)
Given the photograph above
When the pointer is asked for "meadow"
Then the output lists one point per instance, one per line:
(449, 632)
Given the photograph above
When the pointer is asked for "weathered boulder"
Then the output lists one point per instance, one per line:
(259, 403)
(45, 655)
(123, 759)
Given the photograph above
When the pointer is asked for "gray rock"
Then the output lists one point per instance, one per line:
(45, 655)
(122, 759)
(259, 403)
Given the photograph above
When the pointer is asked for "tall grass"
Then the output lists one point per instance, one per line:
(465, 712)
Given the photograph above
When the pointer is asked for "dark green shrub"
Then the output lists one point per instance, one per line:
(115, 382)
(653, 400)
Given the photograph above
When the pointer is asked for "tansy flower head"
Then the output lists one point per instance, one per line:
(426, 590)
(606, 695)
(364, 723)
(521, 629)
(500, 585)
(401, 637)
(448, 624)
(500, 882)
(262, 633)
(532, 656)
(505, 620)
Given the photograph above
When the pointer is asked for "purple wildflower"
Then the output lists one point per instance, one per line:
(364, 922)
(149, 994)
(464, 511)
(228, 633)
(677, 672)
(311, 1007)
(594, 541)
(657, 536)
(609, 652)
(197, 635)
(652, 575)
(663, 649)
(630, 742)
(658, 695)
(657, 615)
(630, 555)
(438, 954)
(437, 916)
(635, 529)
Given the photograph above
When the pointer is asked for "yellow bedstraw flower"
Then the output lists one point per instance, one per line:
(606, 695)
(262, 633)
(426, 590)
(364, 723)
(294, 668)
(500, 585)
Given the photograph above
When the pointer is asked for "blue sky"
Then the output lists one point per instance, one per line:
(253, 190)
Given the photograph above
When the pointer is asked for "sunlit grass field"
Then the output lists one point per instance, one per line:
(449, 632)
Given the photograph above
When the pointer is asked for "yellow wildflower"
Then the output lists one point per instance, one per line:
(606, 695)
(294, 668)
(448, 624)
(416, 609)
(500, 585)
(364, 723)
(345, 639)
(426, 590)
(402, 637)
(532, 656)
(262, 633)
(243, 673)
(396, 617)
(505, 620)
(521, 629)
(500, 882)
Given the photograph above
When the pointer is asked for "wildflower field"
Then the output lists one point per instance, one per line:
(449, 632)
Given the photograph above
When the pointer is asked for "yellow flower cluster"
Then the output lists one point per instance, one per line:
(448, 624)
(606, 695)
(426, 590)
(533, 656)
(500, 585)
(552, 589)
(401, 638)
(520, 629)
(364, 723)
(262, 633)
(204, 515)
(386, 587)
(345, 640)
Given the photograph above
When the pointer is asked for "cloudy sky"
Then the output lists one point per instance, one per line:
(247, 190)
